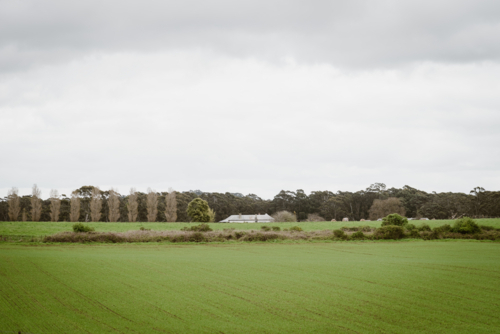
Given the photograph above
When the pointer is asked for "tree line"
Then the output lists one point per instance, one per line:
(89, 203)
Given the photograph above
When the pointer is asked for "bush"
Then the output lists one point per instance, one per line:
(442, 229)
(265, 228)
(296, 228)
(487, 228)
(276, 228)
(358, 235)
(414, 234)
(142, 228)
(197, 237)
(79, 227)
(424, 227)
(389, 232)
(394, 219)
(260, 237)
(409, 227)
(466, 225)
(198, 228)
(239, 235)
(339, 234)
(284, 216)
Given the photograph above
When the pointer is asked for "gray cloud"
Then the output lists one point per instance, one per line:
(249, 96)
(352, 33)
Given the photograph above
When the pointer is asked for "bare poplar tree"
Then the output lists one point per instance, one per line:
(152, 205)
(14, 204)
(95, 204)
(74, 214)
(114, 206)
(55, 205)
(171, 206)
(36, 203)
(132, 206)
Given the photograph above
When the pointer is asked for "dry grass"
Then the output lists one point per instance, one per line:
(186, 236)
(361, 233)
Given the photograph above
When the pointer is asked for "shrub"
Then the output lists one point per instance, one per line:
(79, 227)
(466, 225)
(198, 228)
(260, 237)
(339, 234)
(442, 229)
(276, 228)
(296, 228)
(426, 235)
(239, 235)
(197, 237)
(265, 228)
(284, 216)
(142, 228)
(394, 219)
(409, 227)
(389, 232)
(414, 234)
(487, 228)
(424, 227)
(358, 235)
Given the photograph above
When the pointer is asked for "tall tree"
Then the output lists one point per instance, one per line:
(36, 203)
(74, 214)
(198, 210)
(95, 204)
(152, 205)
(114, 206)
(55, 205)
(382, 208)
(14, 204)
(171, 206)
(132, 206)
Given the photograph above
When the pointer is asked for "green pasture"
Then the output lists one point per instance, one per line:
(48, 228)
(363, 287)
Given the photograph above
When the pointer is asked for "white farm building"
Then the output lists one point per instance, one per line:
(265, 218)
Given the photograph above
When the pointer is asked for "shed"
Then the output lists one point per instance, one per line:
(265, 218)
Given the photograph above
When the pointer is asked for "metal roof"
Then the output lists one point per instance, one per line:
(248, 219)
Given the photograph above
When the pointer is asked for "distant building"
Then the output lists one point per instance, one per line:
(265, 218)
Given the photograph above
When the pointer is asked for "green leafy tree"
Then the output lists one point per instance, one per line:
(198, 210)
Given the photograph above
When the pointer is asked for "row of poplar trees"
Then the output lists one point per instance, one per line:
(94, 205)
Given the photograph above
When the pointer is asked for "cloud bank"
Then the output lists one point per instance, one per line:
(252, 97)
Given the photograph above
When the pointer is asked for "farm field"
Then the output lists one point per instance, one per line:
(49, 228)
(364, 287)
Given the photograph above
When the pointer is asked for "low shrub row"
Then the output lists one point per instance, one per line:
(464, 228)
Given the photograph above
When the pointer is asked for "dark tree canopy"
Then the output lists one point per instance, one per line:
(327, 204)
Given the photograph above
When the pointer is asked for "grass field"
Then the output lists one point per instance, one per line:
(364, 287)
(49, 228)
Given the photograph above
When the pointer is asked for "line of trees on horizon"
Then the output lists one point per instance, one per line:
(89, 203)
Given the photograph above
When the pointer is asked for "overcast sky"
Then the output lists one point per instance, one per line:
(249, 96)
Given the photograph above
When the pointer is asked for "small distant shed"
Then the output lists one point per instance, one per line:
(265, 218)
